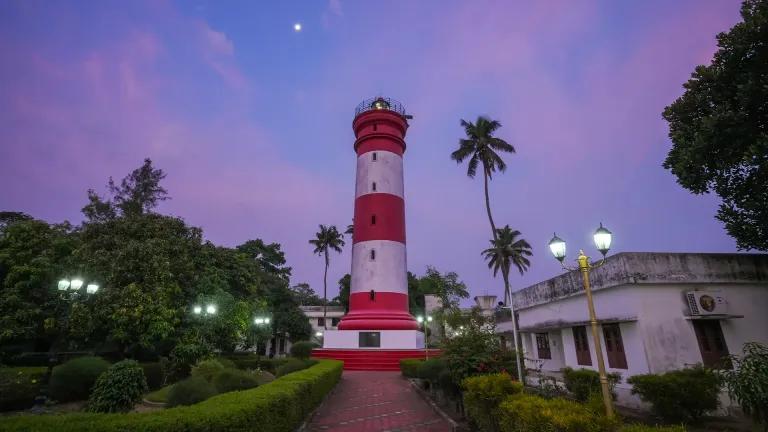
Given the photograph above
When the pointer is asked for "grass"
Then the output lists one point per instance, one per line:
(159, 396)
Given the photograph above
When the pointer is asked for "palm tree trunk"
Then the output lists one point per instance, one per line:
(325, 291)
(508, 302)
(488, 205)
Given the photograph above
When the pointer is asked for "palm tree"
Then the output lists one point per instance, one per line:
(481, 147)
(327, 238)
(507, 250)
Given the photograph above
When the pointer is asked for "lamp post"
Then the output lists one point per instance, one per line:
(260, 322)
(70, 291)
(425, 321)
(602, 238)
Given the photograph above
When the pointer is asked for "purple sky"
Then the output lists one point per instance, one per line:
(252, 121)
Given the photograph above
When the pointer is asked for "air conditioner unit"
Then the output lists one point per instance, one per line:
(707, 302)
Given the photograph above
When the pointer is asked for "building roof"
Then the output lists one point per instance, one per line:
(651, 268)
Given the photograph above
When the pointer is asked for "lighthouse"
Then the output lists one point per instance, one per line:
(378, 330)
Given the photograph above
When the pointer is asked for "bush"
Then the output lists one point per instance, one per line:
(679, 396)
(430, 369)
(636, 427)
(153, 372)
(251, 361)
(280, 406)
(119, 388)
(582, 383)
(19, 386)
(293, 365)
(527, 413)
(74, 379)
(302, 350)
(207, 369)
(190, 391)
(227, 363)
(482, 396)
(234, 379)
(410, 367)
(183, 357)
(747, 382)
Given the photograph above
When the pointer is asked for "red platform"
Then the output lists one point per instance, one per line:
(372, 359)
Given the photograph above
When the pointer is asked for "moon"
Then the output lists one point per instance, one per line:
(297, 27)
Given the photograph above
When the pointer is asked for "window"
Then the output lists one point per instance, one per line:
(614, 346)
(373, 254)
(542, 345)
(373, 219)
(373, 186)
(375, 127)
(321, 322)
(334, 322)
(374, 156)
(582, 346)
(711, 342)
(370, 339)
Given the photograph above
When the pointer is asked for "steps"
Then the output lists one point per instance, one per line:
(372, 359)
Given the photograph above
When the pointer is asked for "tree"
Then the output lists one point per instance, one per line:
(344, 287)
(719, 129)
(287, 318)
(8, 218)
(269, 256)
(138, 193)
(747, 381)
(305, 295)
(508, 250)
(445, 286)
(327, 238)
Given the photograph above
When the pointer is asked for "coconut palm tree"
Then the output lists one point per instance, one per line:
(327, 238)
(481, 147)
(508, 250)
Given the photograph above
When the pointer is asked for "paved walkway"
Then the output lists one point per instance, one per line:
(376, 401)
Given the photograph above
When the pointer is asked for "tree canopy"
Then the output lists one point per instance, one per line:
(719, 128)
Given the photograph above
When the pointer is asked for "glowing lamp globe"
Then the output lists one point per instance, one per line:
(211, 309)
(91, 288)
(557, 247)
(602, 239)
(197, 310)
(76, 284)
(63, 285)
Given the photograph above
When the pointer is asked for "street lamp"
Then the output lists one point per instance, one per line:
(425, 320)
(260, 321)
(602, 238)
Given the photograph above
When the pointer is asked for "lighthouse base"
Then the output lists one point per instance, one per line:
(354, 348)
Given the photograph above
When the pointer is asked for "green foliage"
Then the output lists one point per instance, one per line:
(207, 369)
(227, 363)
(160, 395)
(190, 391)
(327, 239)
(410, 367)
(153, 372)
(430, 369)
(287, 318)
(269, 257)
(583, 383)
(747, 382)
(305, 295)
(118, 389)
(74, 379)
(19, 386)
(293, 365)
(344, 286)
(280, 406)
(508, 250)
(234, 379)
(526, 413)
(719, 129)
(482, 396)
(637, 427)
(679, 396)
(183, 357)
(302, 349)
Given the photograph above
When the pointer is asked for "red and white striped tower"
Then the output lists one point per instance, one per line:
(379, 290)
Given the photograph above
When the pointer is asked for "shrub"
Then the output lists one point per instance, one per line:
(482, 396)
(183, 357)
(251, 362)
(227, 363)
(410, 367)
(430, 369)
(637, 427)
(160, 395)
(19, 386)
(584, 382)
(74, 379)
(747, 383)
(119, 388)
(190, 391)
(293, 365)
(302, 350)
(234, 379)
(679, 396)
(207, 369)
(527, 413)
(153, 372)
(280, 406)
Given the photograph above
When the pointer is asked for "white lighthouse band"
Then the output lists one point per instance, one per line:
(379, 171)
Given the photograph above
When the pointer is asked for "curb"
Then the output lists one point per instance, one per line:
(435, 407)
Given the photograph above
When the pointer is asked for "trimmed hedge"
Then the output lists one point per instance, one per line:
(19, 386)
(190, 391)
(410, 367)
(251, 361)
(293, 365)
(234, 380)
(74, 379)
(281, 405)
(527, 413)
(679, 396)
(584, 382)
(482, 396)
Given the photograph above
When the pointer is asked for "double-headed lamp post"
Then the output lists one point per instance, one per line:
(425, 320)
(260, 322)
(602, 238)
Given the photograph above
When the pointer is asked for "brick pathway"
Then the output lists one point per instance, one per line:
(375, 401)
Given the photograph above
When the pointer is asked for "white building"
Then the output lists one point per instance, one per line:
(657, 312)
(333, 315)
